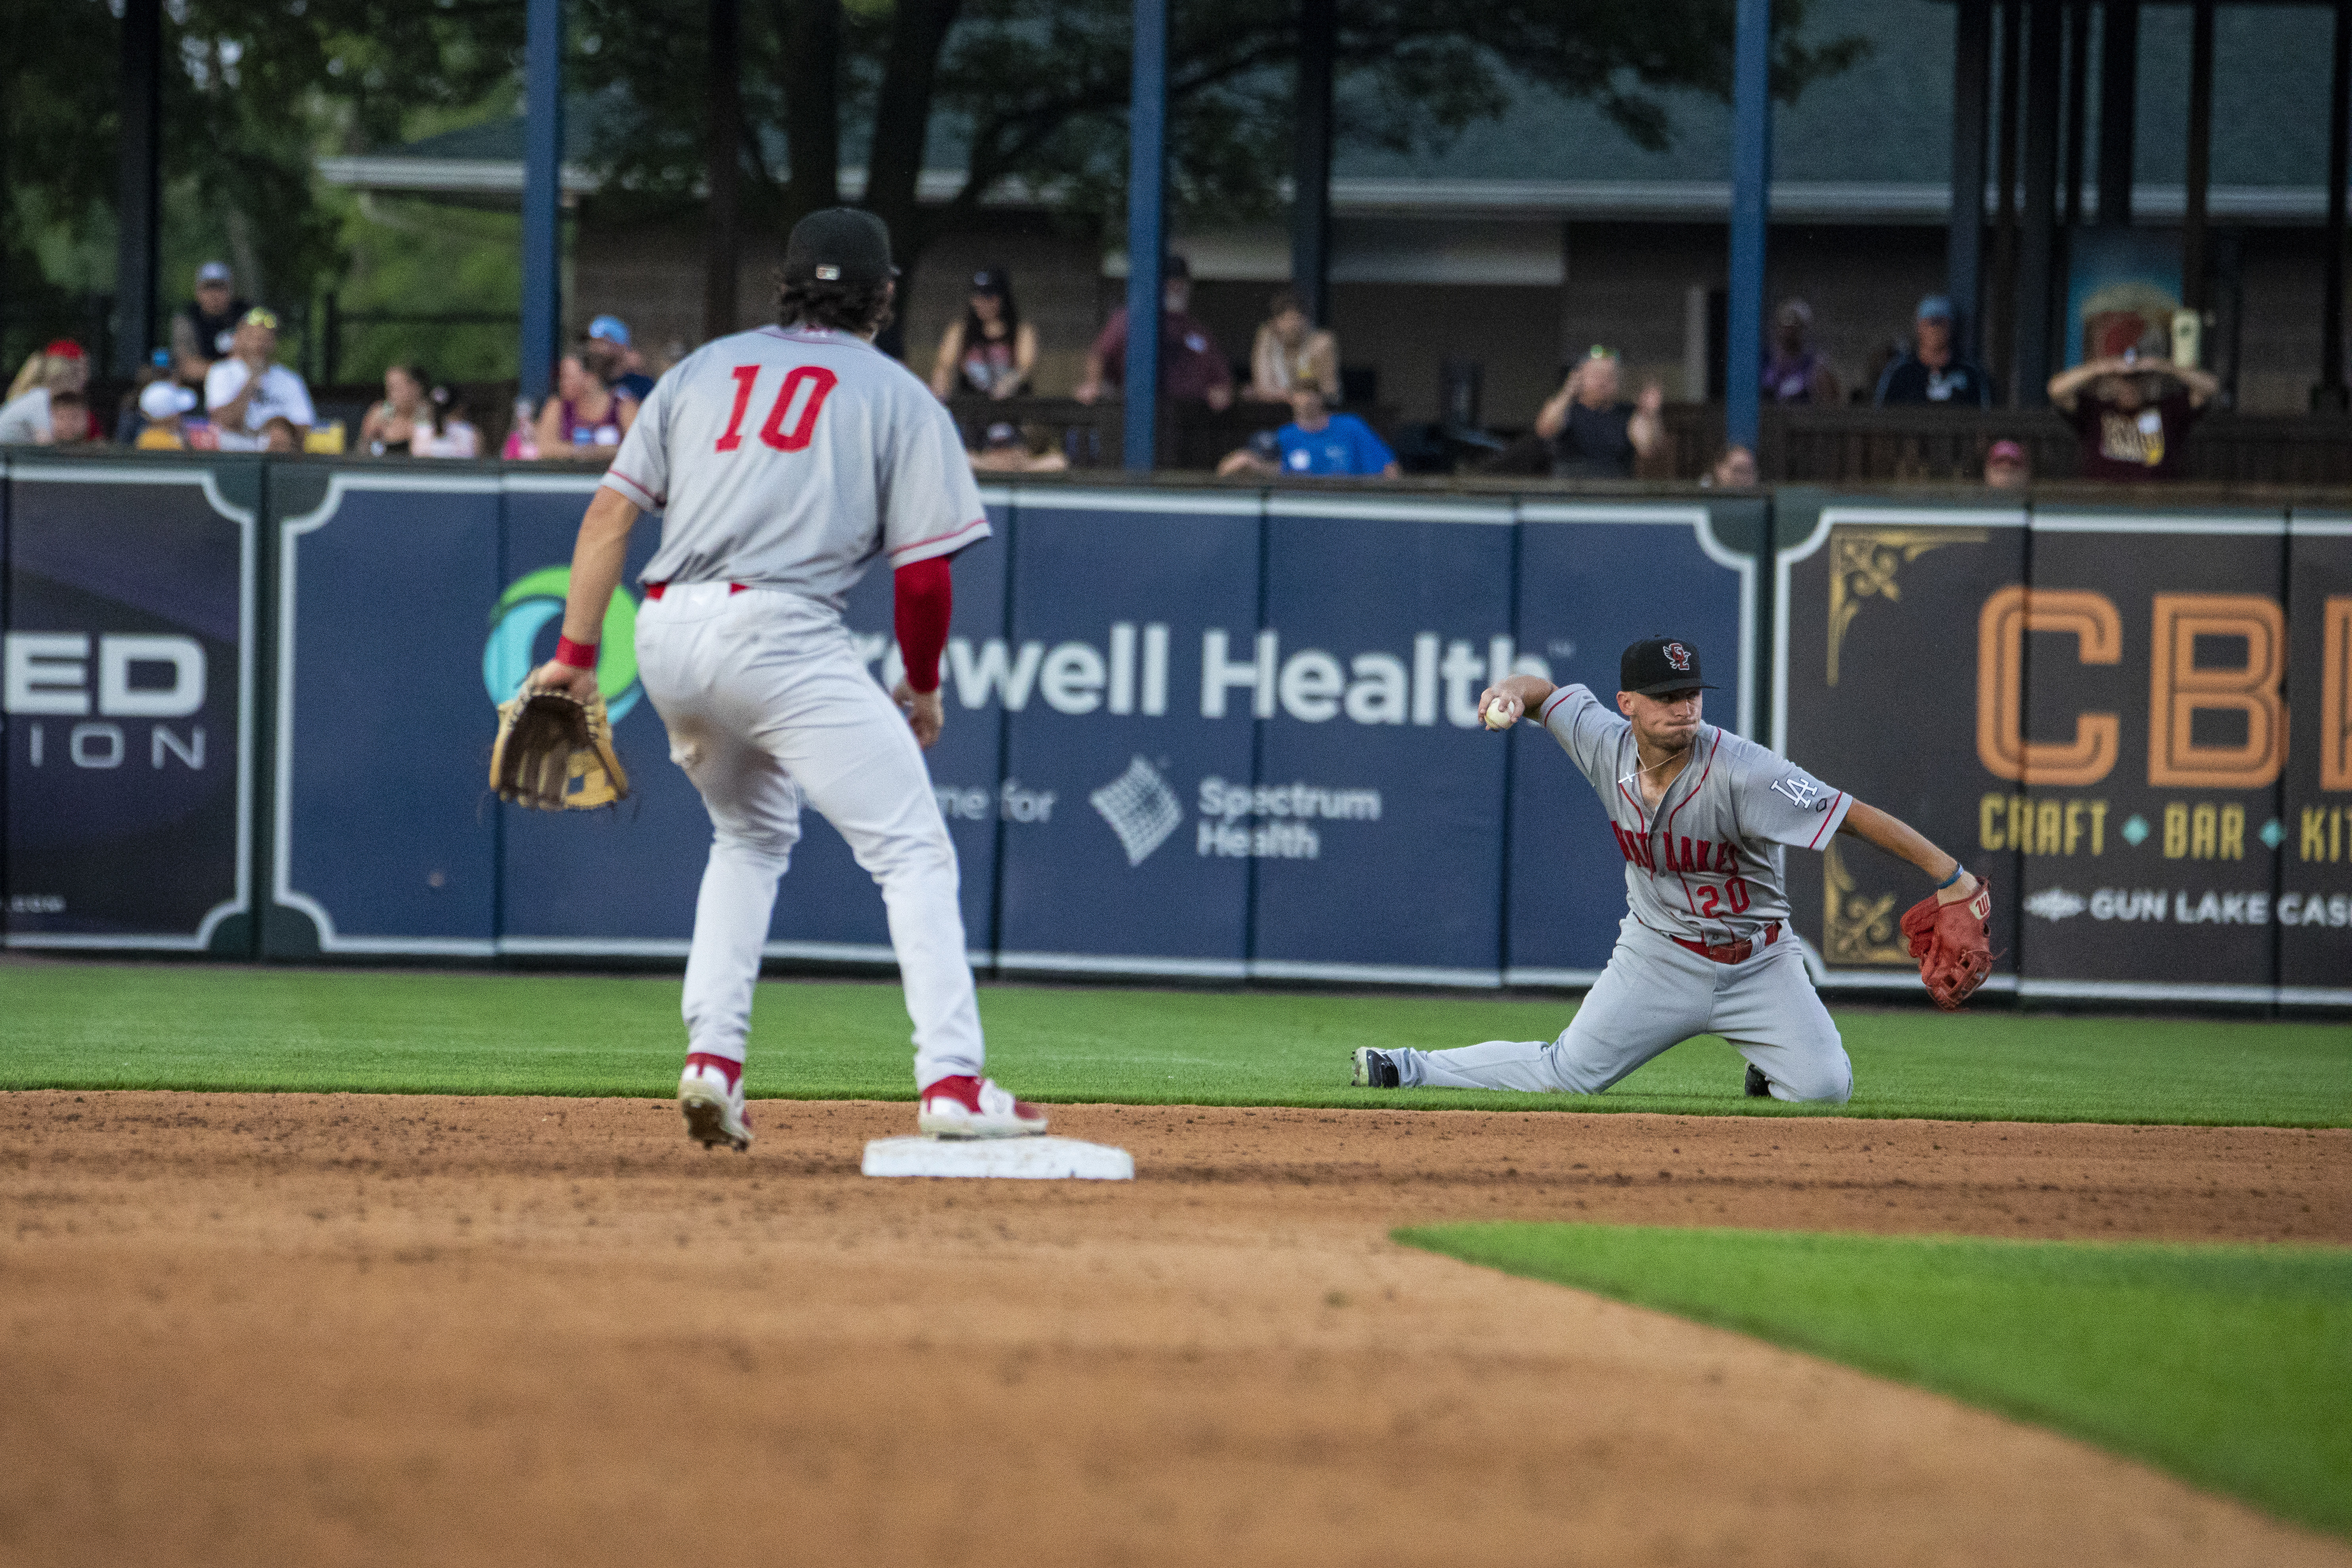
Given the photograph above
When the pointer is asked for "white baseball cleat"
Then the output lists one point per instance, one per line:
(713, 1106)
(968, 1107)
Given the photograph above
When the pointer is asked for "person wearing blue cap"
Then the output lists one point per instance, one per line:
(607, 352)
(1932, 375)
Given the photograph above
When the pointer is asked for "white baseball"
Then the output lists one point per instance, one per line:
(1497, 716)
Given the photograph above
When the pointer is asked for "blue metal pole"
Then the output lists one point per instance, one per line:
(1752, 198)
(1146, 241)
(543, 195)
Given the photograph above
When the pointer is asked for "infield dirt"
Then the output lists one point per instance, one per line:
(379, 1329)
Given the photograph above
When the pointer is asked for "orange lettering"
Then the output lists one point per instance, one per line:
(2178, 688)
(2336, 696)
(2001, 626)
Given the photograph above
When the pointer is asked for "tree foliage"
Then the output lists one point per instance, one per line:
(1033, 93)
(253, 90)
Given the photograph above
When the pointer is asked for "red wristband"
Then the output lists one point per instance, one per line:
(578, 655)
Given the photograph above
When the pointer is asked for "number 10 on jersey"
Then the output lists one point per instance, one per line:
(788, 428)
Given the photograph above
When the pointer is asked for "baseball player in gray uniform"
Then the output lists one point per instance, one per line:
(785, 461)
(1703, 819)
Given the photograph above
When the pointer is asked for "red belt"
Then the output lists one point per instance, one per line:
(655, 590)
(1729, 951)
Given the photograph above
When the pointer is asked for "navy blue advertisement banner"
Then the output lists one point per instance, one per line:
(1380, 793)
(1208, 733)
(128, 693)
(1130, 739)
(618, 881)
(827, 906)
(1592, 578)
(383, 839)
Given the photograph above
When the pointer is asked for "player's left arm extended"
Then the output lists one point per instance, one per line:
(1905, 842)
(1950, 932)
(597, 560)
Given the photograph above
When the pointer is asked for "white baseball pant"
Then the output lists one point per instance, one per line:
(766, 705)
(1654, 994)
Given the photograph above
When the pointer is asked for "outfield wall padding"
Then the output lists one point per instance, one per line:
(1199, 731)
(2135, 720)
(131, 659)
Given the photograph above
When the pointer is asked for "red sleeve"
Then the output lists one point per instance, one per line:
(925, 600)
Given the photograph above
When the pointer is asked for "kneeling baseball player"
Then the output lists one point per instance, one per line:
(783, 461)
(1701, 817)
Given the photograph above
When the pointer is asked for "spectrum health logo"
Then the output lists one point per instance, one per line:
(523, 611)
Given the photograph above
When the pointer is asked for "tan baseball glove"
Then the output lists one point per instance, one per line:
(1953, 943)
(555, 754)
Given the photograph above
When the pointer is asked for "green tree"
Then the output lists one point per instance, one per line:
(253, 90)
(1035, 92)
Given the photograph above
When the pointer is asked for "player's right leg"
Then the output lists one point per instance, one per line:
(1645, 1001)
(849, 749)
(754, 811)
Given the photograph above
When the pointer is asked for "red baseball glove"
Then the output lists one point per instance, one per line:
(1953, 944)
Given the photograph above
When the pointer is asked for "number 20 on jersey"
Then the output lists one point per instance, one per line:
(792, 418)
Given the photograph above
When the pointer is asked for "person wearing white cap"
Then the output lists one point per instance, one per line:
(205, 329)
(161, 404)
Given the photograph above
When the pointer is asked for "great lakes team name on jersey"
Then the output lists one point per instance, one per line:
(791, 458)
(1704, 864)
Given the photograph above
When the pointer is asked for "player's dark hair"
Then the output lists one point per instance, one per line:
(856, 308)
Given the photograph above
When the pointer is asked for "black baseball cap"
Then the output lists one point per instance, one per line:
(839, 245)
(1656, 665)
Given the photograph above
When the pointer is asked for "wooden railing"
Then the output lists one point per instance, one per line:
(1849, 446)
(1797, 444)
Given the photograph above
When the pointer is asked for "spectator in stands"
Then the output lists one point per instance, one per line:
(71, 424)
(992, 351)
(246, 391)
(459, 436)
(1931, 374)
(1318, 442)
(164, 404)
(2006, 468)
(1261, 456)
(279, 435)
(1594, 434)
(1734, 470)
(402, 425)
(1192, 369)
(606, 351)
(2130, 414)
(1004, 450)
(1288, 350)
(584, 419)
(1794, 372)
(59, 368)
(127, 420)
(204, 330)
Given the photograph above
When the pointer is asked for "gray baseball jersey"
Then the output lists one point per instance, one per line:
(790, 459)
(1706, 865)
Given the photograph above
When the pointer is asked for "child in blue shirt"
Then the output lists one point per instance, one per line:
(1316, 441)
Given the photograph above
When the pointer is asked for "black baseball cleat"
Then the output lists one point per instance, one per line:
(1373, 1069)
(1756, 1086)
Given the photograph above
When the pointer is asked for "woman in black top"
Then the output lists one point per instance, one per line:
(992, 351)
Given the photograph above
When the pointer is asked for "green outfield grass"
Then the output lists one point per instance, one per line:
(2230, 1367)
(129, 1026)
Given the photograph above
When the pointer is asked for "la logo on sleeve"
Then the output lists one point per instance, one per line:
(1802, 792)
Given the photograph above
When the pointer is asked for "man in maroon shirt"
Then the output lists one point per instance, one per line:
(1192, 369)
(2130, 414)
